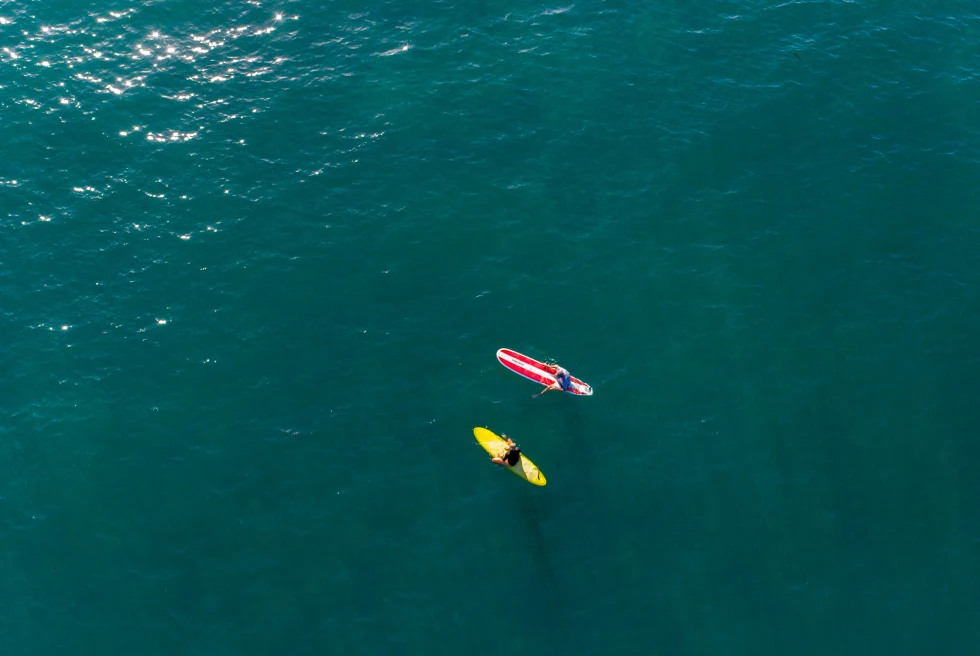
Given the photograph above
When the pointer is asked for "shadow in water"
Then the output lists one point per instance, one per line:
(548, 608)
(581, 447)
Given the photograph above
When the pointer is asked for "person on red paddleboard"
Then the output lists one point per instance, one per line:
(563, 381)
(512, 456)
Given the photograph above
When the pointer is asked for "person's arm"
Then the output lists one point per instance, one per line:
(497, 461)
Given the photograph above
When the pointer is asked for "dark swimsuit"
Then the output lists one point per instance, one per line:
(513, 456)
(564, 380)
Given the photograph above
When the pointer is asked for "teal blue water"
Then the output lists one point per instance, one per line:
(256, 259)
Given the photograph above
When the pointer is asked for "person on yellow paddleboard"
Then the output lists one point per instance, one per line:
(563, 381)
(512, 456)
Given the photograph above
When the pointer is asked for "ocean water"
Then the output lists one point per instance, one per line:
(256, 258)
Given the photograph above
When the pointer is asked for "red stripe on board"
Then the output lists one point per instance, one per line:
(525, 369)
(523, 358)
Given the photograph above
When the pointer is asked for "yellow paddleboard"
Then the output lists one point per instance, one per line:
(496, 446)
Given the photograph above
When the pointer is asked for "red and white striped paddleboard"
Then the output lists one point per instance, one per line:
(539, 372)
